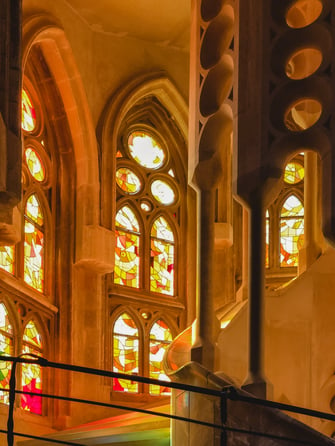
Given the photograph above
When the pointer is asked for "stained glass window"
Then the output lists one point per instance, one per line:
(145, 150)
(160, 338)
(28, 113)
(291, 231)
(35, 164)
(125, 353)
(294, 173)
(7, 258)
(162, 258)
(34, 244)
(128, 181)
(162, 192)
(32, 373)
(6, 348)
(127, 259)
(267, 237)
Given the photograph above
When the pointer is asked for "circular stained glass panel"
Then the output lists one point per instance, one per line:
(162, 192)
(145, 150)
(35, 164)
(128, 181)
(28, 113)
(294, 173)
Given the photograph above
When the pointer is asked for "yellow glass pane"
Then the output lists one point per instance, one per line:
(35, 164)
(28, 113)
(145, 150)
(294, 173)
(128, 181)
(33, 257)
(7, 258)
(33, 210)
(160, 339)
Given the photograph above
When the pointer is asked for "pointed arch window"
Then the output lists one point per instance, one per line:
(159, 339)
(284, 225)
(34, 244)
(32, 373)
(146, 182)
(125, 352)
(6, 348)
(127, 258)
(162, 257)
(291, 231)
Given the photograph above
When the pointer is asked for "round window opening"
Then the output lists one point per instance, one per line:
(35, 164)
(128, 181)
(303, 12)
(145, 150)
(303, 63)
(303, 114)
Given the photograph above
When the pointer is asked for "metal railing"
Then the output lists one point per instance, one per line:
(227, 393)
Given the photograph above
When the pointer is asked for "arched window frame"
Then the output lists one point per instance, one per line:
(276, 274)
(144, 319)
(31, 347)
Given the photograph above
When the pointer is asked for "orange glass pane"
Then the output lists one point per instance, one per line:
(32, 373)
(128, 181)
(6, 348)
(7, 258)
(291, 231)
(28, 113)
(125, 353)
(145, 150)
(294, 173)
(127, 259)
(35, 164)
(33, 210)
(160, 339)
(33, 256)
(162, 258)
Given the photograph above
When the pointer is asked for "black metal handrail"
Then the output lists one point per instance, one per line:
(227, 393)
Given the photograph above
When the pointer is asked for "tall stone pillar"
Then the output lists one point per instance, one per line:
(209, 139)
(10, 118)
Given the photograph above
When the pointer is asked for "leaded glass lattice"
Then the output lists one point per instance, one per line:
(294, 173)
(31, 373)
(128, 181)
(162, 258)
(127, 245)
(145, 150)
(35, 164)
(160, 339)
(291, 231)
(28, 113)
(34, 244)
(7, 258)
(6, 348)
(125, 353)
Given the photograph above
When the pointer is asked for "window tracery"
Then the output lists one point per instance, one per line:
(284, 225)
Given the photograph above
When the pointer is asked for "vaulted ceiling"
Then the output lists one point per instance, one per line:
(163, 22)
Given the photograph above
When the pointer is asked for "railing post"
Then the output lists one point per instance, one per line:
(12, 392)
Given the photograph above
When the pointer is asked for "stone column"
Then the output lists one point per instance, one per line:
(10, 118)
